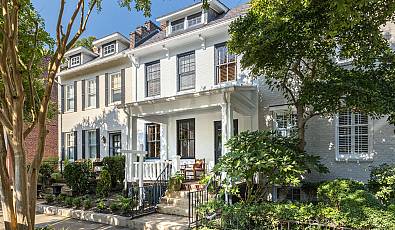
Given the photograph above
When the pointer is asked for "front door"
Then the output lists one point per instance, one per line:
(218, 137)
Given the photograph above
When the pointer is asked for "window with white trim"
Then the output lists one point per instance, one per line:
(194, 19)
(352, 134)
(91, 143)
(177, 25)
(70, 145)
(285, 123)
(108, 49)
(152, 76)
(115, 87)
(75, 60)
(70, 97)
(186, 71)
(91, 97)
(225, 64)
(153, 140)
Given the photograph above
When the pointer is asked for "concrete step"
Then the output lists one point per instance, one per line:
(175, 201)
(159, 221)
(173, 210)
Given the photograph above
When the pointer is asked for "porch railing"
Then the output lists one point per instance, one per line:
(151, 169)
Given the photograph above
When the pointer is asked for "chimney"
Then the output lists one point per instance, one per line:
(134, 39)
(141, 31)
(150, 26)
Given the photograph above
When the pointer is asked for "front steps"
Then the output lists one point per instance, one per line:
(174, 203)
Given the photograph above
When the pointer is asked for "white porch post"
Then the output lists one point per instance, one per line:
(227, 132)
(130, 170)
(164, 155)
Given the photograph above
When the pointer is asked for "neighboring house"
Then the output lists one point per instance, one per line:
(174, 89)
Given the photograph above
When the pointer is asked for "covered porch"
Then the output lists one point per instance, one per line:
(181, 129)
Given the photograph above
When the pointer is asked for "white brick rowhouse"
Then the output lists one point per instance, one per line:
(173, 89)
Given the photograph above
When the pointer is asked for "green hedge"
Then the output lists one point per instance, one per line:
(116, 167)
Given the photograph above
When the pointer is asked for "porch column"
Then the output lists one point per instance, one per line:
(227, 122)
(164, 155)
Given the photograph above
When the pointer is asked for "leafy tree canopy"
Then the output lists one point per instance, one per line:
(85, 42)
(296, 45)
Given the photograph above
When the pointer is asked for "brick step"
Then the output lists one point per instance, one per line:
(173, 210)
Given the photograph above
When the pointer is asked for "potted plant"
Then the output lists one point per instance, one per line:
(175, 182)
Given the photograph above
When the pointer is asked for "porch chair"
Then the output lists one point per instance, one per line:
(197, 169)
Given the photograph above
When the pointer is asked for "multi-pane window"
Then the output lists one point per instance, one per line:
(353, 133)
(186, 71)
(70, 145)
(91, 97)
(116, 144)
(75, 60)
(115, 87)
(152, 72)
(186, 138)
(177, 25)
(225, 64)
(194, 19)
(92, 143)
(290, 194)
(285, 123)
(70, 97)
(109, 49)
(153, 140)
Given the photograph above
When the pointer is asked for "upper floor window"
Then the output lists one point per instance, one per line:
(75, 60)
(115, 87)
(70, 97)
(91, 85)
(186, 138)
(70, 145)
(177, 25)
(353, 134)
(285, 123)
(92, 143)
(108, 49)
(225, 64)
(194, 19)
(186, 71)
(153, 140)
(152, 72)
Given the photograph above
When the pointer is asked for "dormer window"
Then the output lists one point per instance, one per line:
(177, 25)
(194, 19)
(108, 49)
(75, 60)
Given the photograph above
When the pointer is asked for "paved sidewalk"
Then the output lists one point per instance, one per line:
(62, 223)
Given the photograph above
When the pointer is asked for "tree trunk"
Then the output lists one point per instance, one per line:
(301, 126)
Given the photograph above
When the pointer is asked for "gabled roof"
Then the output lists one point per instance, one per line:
(109, 38)
(79, 49)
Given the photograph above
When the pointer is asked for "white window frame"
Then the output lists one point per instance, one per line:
(285, 132)
(112, 89)
(90, 93)
(353, 156)
(197, 20)
(108, 49)
(90, 145)
(69, 144)
(70, 97)
(75, 60)
(177, 25)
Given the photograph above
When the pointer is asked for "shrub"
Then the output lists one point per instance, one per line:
(274, 157)
(46, 171)
(87, 203)
(56, 177)
(101, 205)
(116, 167)
(382, 182)
(78, 176)
(114, 207)
(61, 198)
(49, 198)
(126, 204)
(77, 202)
(104, 184)
(68, 201)
(336, 190)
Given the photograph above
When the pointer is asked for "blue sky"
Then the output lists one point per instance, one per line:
(113, 18)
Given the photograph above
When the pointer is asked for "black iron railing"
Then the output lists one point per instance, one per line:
(148, 197)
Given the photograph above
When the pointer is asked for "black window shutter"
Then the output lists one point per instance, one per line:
(62, 98)
(106, 90)
(97, 92)
(62, 157)
(123, 86)
(83, 144)
(75, 145)
(75, 96)
(98, 143)
(83, 95)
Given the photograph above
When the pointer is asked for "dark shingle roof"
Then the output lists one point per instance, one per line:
(232, 13)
